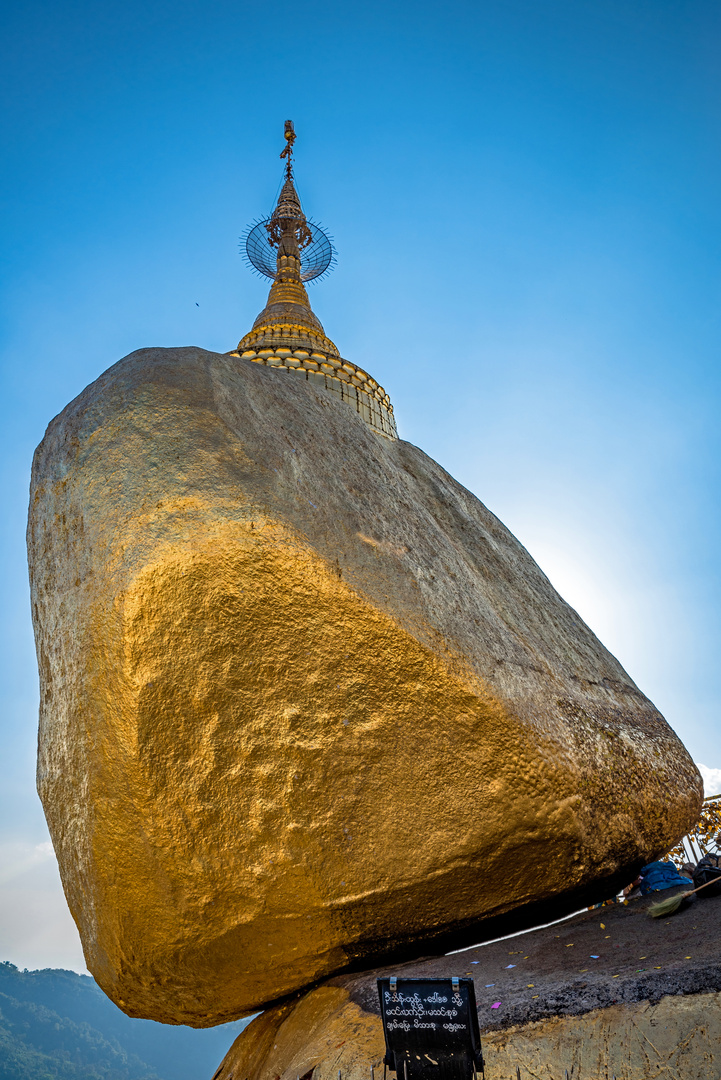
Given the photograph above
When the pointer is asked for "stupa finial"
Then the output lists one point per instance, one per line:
(288, 229)
(262, 239)
(287, 151)
(287, 335)
(291, 250)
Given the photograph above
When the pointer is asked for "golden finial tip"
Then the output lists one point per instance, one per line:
(288, 148)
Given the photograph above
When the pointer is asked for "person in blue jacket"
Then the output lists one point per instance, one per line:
(656, 876)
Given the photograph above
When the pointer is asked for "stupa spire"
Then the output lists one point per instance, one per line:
(287, 335)
(287, 230)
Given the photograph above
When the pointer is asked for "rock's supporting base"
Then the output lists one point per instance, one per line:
(327, 1033)
(678, 1037)
(607, 993)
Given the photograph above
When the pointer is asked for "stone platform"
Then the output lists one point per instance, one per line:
(633, 998)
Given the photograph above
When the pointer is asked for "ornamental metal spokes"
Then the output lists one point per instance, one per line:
(288, 232)
(317, 256)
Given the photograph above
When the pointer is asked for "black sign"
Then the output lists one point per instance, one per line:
(431, 1028)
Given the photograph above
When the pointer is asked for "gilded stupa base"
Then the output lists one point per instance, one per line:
(323, 368)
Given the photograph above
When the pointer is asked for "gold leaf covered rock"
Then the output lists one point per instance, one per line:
(305, 702)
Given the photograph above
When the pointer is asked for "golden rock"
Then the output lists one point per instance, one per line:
(305, 702)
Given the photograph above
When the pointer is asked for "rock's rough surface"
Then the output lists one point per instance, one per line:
(304, 700)
(677, 1037)
(644, 1009)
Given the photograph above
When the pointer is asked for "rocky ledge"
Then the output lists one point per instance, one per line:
(609, 992)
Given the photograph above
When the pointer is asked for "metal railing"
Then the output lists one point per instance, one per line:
(704, 838)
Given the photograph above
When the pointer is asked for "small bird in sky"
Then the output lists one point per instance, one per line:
(197, 304)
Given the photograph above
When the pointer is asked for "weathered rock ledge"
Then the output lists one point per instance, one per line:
(649, 1006)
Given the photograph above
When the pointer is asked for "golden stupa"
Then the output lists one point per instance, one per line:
(287, 335)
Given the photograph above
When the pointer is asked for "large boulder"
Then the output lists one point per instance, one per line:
(305, 702)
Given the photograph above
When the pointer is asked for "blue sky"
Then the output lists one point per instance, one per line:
(524, 198)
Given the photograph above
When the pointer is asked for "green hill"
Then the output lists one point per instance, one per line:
(57, 1025)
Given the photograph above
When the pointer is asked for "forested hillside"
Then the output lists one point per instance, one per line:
(57, 1025)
